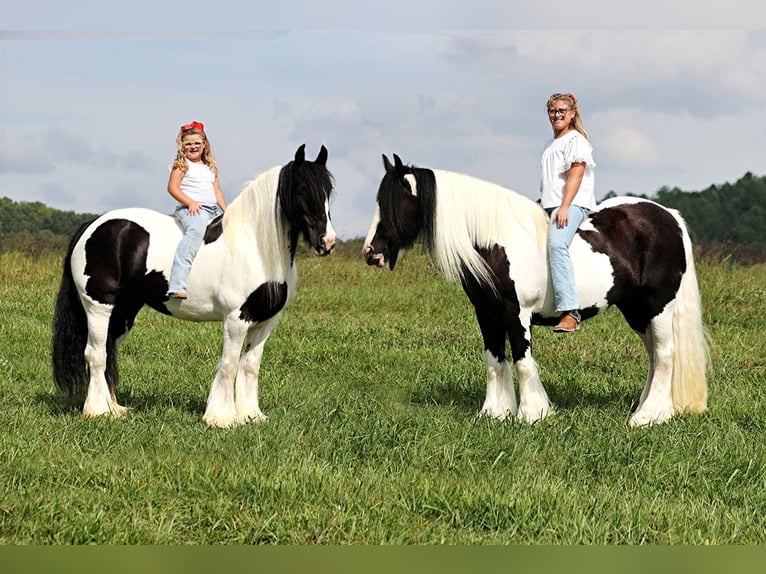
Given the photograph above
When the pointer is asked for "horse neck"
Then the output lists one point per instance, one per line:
(471, 213)
(253, 226)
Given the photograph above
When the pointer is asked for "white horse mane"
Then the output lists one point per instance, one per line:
(473, 212)
(252, 222)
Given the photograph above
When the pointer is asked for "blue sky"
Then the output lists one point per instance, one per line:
(91, 100)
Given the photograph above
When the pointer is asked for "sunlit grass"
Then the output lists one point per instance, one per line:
(372, 382)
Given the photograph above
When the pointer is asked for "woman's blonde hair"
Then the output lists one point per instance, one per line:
(207, 151)
(571, 101)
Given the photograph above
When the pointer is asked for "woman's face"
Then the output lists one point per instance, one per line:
(193, 145)
(560, 114)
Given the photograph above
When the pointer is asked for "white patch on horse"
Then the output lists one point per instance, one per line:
(410, 178)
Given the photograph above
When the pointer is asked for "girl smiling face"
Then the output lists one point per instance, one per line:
(193, 146)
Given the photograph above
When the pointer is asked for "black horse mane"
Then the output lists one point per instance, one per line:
(392, 191)
(302, 186)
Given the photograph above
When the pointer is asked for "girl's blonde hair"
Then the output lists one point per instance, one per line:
(207, 151)
(571, 101)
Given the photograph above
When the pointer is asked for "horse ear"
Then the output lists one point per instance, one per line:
(397, 161)
(300, 154)
(321, 156)
(387, 164)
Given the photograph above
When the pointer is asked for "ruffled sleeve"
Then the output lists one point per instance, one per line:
(578, 150)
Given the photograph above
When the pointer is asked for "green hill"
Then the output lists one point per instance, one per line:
(726, 220)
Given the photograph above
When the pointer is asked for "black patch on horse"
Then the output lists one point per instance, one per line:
(214, 230)
(498, 315)
(265, 302)
(644, 243)
(115, 263)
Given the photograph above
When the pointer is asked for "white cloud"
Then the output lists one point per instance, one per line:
(629, 148)
(90, 120)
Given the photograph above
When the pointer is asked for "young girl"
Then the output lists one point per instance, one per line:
(567, 194)
(194, 185)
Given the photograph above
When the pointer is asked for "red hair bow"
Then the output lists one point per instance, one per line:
(570, 94)
(194, 125)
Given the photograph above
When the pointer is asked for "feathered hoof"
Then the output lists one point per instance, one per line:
(115, 411)
(257, 418)
(531, 416)
(645, 419)
(218, 423)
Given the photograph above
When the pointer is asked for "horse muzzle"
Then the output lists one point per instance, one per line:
(326, 245)
(373, 258)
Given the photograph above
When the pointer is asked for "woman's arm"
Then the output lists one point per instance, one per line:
(571, 187)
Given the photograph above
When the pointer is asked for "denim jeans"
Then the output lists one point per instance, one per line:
(193, 227)
(559, 261)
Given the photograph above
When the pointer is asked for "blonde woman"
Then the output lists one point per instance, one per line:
(567, 188)
(194, 185)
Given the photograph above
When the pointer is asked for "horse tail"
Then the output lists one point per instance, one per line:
(70, 330)
(691, 358)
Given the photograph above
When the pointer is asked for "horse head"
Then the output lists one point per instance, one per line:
(305, 191)
(397, 220)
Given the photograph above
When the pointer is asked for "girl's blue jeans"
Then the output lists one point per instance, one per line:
(559, 261)
(193, 227)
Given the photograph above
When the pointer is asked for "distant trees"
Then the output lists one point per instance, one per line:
(34, 227)
(726, 220)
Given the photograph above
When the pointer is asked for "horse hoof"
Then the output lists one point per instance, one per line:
(119, 411)
(219, 423)
(536, 414)
(639, 420)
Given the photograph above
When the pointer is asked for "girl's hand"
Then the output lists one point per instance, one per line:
(562, 217)
(194, 208)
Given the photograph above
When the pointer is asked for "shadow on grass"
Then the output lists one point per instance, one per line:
(58, 403)
(565, 394)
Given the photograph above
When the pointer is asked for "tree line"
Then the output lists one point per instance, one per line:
(725, 221)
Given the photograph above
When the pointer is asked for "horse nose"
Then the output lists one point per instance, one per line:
(372, 258)
(328, 242)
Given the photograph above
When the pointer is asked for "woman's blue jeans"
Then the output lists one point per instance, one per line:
(559, 261)
(193, 227)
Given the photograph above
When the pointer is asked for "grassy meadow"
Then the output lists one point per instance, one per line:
(372, 382)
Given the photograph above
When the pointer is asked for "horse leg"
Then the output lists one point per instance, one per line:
(534, 403)
(500, 400)
(656, 404)
(100, 398)
(221, 409)
(246, 386)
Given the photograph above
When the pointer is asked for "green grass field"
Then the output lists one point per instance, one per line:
(372, 382)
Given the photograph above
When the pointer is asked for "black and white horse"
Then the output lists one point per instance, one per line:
(243, 276)
(631, 253)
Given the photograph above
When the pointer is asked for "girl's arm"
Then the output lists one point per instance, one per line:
(174, 189)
